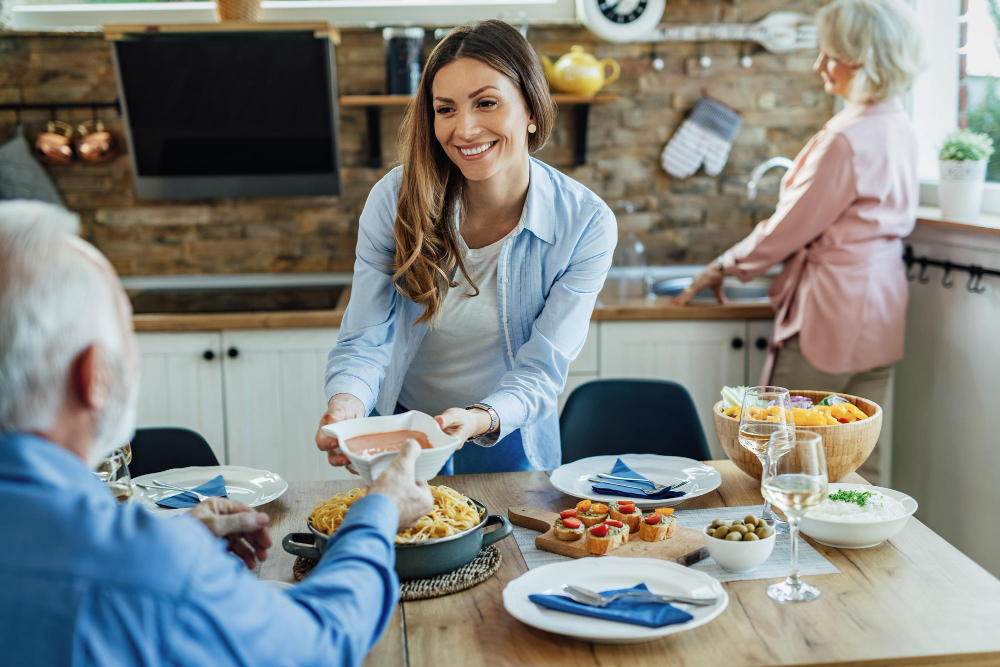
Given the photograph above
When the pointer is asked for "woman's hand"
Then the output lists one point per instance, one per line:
(244, 528)
(463, 423)
(710, 277)
(341, 408)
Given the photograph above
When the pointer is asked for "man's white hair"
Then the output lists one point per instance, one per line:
(54, 303)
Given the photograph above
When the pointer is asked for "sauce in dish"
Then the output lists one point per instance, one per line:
(371, 444)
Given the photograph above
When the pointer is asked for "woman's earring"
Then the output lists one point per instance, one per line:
(531, 128)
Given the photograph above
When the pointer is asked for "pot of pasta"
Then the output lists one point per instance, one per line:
(447, 538)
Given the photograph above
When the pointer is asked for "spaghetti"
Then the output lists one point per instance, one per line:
(452, 514)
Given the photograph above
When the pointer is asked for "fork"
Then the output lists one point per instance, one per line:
(595, 599)
(656, 487)
(640, 489)
(163, 485)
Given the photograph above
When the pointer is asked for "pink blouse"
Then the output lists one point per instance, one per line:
(842, 211)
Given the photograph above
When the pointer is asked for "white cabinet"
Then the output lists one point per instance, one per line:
(274, 399)
(758, 340)
(585, 367)
(181, 384)
(702, 355)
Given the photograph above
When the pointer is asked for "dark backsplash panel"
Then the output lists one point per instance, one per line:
(685, 221)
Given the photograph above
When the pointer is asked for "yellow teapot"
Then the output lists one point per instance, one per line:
(579, 72)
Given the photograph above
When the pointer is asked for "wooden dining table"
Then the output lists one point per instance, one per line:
(913, 600)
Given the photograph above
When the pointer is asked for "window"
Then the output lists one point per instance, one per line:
(960, 87)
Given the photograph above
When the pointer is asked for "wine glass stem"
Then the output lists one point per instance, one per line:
(793, 532)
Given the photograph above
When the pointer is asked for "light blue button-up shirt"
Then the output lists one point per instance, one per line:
(547, 284)
(86, 581)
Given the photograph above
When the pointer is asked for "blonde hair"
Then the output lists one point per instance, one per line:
(426, 246)
(881, 38)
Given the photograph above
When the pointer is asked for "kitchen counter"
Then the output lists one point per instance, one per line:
(930, 216)
(276, 319)
(611, 307)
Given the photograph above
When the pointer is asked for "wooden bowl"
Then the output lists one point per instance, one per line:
(846, 445)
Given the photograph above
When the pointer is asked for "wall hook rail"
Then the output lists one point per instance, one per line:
(976, 273)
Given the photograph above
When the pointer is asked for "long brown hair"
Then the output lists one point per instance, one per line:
(426, 245)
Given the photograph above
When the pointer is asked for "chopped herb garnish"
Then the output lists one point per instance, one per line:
(859, 498)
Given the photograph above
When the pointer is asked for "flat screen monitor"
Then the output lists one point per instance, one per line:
(230, 114)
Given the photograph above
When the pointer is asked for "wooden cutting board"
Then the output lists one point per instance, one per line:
(687, 545)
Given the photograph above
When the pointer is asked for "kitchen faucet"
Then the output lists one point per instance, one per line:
(761, 169)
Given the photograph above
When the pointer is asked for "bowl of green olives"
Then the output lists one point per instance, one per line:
(739, 545)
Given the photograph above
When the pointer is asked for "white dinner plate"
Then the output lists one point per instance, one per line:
(611, 573)
(572, 478)
(247, 485)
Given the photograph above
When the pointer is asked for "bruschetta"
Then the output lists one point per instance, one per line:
(626, 512)
(590, 513)
(606, 537)
(568, 529)
(656, 527)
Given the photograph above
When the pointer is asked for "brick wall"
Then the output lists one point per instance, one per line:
(680, 221)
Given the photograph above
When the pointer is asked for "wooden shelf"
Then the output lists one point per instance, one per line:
(373, 104)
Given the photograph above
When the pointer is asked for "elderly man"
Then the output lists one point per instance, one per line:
(84, 580)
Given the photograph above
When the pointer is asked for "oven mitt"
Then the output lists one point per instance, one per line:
(705, 137)
(21, 176)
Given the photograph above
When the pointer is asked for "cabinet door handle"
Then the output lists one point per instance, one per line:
(208, 355)
(761, 343)
(737, 343)
(232, 353)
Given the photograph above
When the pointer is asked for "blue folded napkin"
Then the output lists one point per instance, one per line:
(610, 488)
(636, 612)
(213, 487)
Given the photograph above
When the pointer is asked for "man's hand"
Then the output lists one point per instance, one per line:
(244, 528)
(711, 277)
(463, 423)
(412, 498)
(342, 407)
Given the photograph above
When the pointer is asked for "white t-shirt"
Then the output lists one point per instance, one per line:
(461, 360)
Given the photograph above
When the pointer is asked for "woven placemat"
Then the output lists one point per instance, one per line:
(476, 571)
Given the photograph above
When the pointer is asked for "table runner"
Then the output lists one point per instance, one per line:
(775, 567)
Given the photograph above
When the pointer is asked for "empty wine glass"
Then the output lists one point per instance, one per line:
(795, 479)
(766, 411)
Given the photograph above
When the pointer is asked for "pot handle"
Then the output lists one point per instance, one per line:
(301, 544)
(503, 531)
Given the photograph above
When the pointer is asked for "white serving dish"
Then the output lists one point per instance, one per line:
(739, 556)
(573, 479)
(611, 573)
(853, 534)
(430, 461)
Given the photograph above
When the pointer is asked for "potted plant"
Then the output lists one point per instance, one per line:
(963, 159)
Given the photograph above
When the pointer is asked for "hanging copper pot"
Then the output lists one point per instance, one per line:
(94, 146)
(53, 147)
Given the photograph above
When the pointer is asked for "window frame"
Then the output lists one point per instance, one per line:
(343, 13)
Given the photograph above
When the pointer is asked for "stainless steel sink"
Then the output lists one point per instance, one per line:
(754, 290)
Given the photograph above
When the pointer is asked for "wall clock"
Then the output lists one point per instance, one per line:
(620, 20)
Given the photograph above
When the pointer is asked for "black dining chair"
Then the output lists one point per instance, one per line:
(631, 416)
(162, 448)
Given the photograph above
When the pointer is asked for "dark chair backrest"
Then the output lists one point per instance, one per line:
(631, 417)
(162, 448)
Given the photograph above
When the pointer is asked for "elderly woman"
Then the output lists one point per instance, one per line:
(843, 208)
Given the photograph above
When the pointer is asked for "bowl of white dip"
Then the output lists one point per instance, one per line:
(865, 518)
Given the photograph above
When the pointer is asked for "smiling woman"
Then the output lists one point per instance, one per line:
(477, 266)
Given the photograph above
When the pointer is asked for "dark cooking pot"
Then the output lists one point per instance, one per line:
(419, 559)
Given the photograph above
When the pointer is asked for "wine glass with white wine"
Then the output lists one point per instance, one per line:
(765, 411)
(795, 479)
